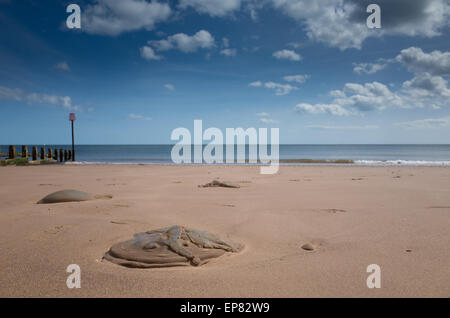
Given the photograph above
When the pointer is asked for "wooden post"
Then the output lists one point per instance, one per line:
(34, 153)
(42, 154)
(49, 153)
(61, 154)
(25, 152)
(65, 155)
(12, 152)
(69, 155)
(55, 155)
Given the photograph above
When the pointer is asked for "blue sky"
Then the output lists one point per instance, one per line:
(139, 69)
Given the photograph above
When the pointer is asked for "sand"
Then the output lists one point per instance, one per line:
(396, 217)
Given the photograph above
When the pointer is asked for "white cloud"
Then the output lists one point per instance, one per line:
(426, 85)
(170, 87)
(185, 43)
(113, 17)
(228, 52)
(287, 55)
(19, 95)
(296, 78)
(62, 66)
(138, 117)
(149, 54)
(256, 84)
(268, 121)
(425, 89)
(368, 68)
(320, 109)
(370, 96)
(355, 98)
(426, 123)
(342, 23)
(265, 118)
(215, 8)
(417, 61)
(280, 89)
(325, 127)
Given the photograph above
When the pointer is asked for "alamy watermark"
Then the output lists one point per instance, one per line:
(235, 146)
(374, 279)
(74, 279)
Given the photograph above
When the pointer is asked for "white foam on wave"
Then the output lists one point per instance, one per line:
(424, 163)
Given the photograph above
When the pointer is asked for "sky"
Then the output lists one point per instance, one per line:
(137, 70)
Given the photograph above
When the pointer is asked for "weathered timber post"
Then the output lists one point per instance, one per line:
(65, 155)
(72, 118)
(61, 154)
(42, 154)
(69, 155)
(25, 152)
(12, 152)
(49, 153)
(34, 153)
(55, 155)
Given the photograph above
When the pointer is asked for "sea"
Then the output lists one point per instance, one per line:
(370, 155)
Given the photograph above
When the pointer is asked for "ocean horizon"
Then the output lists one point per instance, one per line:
(290, 154)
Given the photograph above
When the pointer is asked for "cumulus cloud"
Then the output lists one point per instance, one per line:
(113, 17)
(185, 43)
(320, 109)
(428, 86)
(417, 61)
(426, 123)
(215, 8)
(407, 17)
(62, 66)
(138, 117)
(19, 95)
(287, 55)
(342, 23)
(280, 89)
(263, 114)
(149, 54)
(256, 84)
(296, 78)
(358, 98)
(370, 96)
(368, 68)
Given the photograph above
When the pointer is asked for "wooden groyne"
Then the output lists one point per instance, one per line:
(53, 154)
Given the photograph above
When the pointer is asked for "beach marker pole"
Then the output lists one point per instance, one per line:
(72, 118)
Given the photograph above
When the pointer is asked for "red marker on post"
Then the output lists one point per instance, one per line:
(72, 118)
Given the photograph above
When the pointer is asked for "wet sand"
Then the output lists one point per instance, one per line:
(396, 217)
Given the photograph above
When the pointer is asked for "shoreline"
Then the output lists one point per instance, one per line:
(356, 163)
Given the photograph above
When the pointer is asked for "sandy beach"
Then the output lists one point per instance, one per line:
(396, 217)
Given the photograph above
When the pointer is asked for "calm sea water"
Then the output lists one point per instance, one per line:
(361, 154)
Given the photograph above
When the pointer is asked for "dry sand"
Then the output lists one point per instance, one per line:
(396, 217)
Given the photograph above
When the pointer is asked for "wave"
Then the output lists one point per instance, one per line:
(424, 163)
(413, 163)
